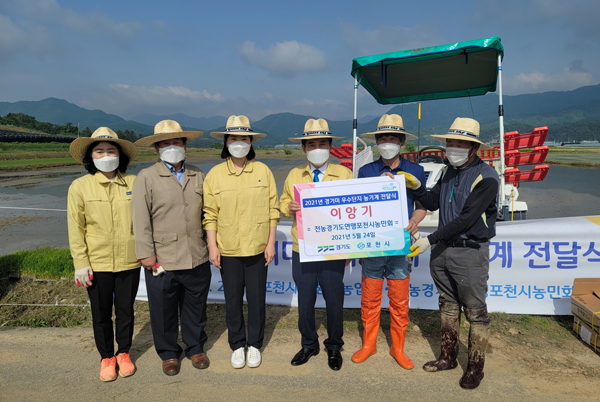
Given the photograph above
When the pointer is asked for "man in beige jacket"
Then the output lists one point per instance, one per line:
(170, 243)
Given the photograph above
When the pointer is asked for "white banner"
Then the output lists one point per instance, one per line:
(532, 267)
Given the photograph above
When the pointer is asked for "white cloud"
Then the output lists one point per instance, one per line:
(305, 102)
(96, 23)
(388, 38)
(16, 41)
(566, 80)
(160, 27)
(284, 58)
(128, 100)
(159, 95)
(326, 107)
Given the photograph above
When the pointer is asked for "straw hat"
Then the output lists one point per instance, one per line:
(166, 130)
(463, 128)
(238, 125)
(315, 129)
(389, 124)
(80, 146)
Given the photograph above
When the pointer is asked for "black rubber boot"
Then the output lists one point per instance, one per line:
(479, 335)
(450, 313)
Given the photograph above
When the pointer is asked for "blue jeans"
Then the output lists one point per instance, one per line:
(393, 267)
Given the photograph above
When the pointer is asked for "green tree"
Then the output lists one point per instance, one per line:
(86, 132)
(409, 147)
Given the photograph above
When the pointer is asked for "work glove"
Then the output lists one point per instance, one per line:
(411, 181)
(84, 276)
(419, 247)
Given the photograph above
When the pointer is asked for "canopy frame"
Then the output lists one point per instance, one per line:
(455, 70)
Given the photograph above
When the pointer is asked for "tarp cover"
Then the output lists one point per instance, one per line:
(434, 72)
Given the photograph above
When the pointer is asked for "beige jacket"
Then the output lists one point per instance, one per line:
(167, 217)
(99, 222)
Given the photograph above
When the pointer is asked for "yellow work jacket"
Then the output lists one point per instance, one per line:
(303, 174)
(99, 222)
(241, 207)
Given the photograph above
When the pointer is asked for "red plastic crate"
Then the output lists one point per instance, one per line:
(410, 156)
(347, 163)
(514, 175)
(414, 156)
(343, 152)
(492, 153)
(516, 158)
(536, 138)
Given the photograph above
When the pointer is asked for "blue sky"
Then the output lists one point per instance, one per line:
(205, 58)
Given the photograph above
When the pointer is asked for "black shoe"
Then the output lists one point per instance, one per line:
(303, 356)
(334, 359)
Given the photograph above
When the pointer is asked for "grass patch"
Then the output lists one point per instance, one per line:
(518, 329)
(11, 147)
(19, 156)
(28, 291)
(46, 263)
(40, 161)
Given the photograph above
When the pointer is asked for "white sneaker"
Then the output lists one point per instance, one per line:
(238, 358)
(254, 357)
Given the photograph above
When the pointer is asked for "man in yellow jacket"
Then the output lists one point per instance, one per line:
(329, 275)
(170, 243)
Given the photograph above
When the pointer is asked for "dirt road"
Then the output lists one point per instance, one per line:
(62, 364)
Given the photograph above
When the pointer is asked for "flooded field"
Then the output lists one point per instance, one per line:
(33, 204)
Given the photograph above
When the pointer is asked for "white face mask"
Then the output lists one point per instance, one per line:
(388, 150)
(238, 149)
(172, 154)
(457, 156)
(107, 163)
(318, 156)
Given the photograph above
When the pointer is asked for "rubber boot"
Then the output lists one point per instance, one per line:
(450, 313)
(398, 295)
(370, 308)
(479, 335)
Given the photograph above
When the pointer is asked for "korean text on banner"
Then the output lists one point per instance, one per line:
(357, 218)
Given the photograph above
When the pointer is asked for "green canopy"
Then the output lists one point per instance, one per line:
(435, 72)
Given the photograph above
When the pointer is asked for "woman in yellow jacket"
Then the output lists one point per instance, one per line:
(241, 211)
(102, 243)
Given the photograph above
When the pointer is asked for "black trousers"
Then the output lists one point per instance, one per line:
(178, 294)
(329, 275)
(249, 273)
(118, 288)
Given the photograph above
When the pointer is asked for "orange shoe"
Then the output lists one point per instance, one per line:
(126, 367)
(108, 371)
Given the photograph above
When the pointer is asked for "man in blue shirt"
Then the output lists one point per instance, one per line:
(390, 137)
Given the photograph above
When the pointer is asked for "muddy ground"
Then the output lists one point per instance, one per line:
(61, 364)
(532, 358)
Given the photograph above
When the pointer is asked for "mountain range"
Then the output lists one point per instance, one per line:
(570, 115)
